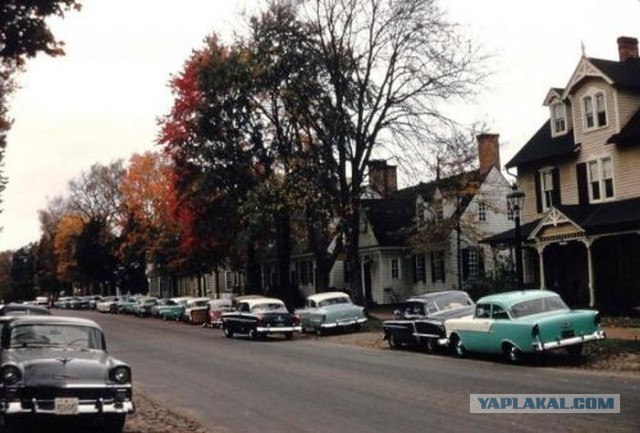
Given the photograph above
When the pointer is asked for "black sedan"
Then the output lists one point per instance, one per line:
(419, 322)
(58, 367)
(259, 317)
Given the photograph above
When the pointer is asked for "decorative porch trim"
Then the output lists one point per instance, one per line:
(553, 218)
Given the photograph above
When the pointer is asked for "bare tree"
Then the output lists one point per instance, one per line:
(388, 66)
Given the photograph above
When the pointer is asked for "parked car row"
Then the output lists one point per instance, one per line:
(255, 316)
(514, 324)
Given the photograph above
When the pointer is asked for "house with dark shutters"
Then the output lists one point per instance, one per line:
(391, 268)
(580, 173)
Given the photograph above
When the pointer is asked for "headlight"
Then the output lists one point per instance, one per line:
(10, 374)
(121, 375)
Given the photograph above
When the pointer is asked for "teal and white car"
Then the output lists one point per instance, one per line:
(523, 322)
(330, 310)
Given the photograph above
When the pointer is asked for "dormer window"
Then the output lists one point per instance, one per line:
(559, 118)
(595, 111)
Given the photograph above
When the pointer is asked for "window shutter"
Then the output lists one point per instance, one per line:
(465, 264)
(444, 270)
(538, 193)
(433, 267)
(415, 269)
(423, 275)
(555, 174)
(481, 262)
(583, 186)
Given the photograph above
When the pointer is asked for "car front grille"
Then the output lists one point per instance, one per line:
(48, 393)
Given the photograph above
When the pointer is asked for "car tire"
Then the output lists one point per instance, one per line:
(113, 423)
(227, 331)
(288, 335)
(320, 332)
(394, 343)
(431, 344)
(512, 353)
(254, 334)
(458, 347)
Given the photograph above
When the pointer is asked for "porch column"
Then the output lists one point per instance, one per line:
(540, 248)
(592, 290)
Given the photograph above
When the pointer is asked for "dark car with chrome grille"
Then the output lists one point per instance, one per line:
(58, 367)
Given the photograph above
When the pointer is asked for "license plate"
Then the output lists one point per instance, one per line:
(66, 406)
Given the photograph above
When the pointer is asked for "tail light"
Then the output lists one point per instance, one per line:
(296, 319)
(535, 331)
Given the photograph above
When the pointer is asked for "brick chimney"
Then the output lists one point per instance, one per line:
(488, 152)
(627, 48)
(382, 177)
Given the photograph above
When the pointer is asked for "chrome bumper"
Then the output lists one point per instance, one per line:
(278, 329)
(343, 323)
(539, 346)
(84, 407)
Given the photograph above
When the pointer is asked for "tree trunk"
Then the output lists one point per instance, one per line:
(283, 240)
(254, 285)
(353, 257)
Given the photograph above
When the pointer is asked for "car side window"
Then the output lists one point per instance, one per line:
(312, 304)
(499, 312)
(243, 308)
(483, 311)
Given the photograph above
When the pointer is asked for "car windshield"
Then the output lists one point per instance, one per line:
(447, 302)
(334, 301)
(537, 306)
(60, 335)
(270, 307)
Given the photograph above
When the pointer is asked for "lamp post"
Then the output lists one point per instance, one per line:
(515, 201)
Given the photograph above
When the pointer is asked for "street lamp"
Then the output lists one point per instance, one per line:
(515, 201)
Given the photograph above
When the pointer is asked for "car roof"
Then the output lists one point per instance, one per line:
(52, 320)
(507, 299)
(430, 296)
(23, 309)
(319, 297)
(262, 300)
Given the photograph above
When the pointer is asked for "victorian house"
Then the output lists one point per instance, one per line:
(580, 173)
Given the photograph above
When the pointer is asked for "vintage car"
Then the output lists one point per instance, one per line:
(330, 311)
(15, 309)
(216, 308)
(259, 317)
(52, 366)
(196, 311)
(523, 322)
(175, 310)
(143, 306)
(420, 321)
(108, 304)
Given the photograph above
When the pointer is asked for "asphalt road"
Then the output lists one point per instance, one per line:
(311, 385)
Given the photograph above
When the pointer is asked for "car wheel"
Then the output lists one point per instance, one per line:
(113, 423)
(319, 332)
(254, 334)
(227, 331)
(575, 351)
(394, 343)
(458, 347)
(512, 353)
(431, 344)
(288, 335)
(357, 327)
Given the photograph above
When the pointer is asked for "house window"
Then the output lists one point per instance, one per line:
(437, 266)
(231, 280)
(546, 187)
(559, 116)
(595, 113)
(600, 179)
(472, 263)
(482, 211)
(419, 268)
(305, 272)
(395, 269)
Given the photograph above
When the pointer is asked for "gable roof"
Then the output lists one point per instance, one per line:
(625, 75)
(542, 146)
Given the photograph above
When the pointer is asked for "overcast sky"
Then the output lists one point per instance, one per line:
(100, 101)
